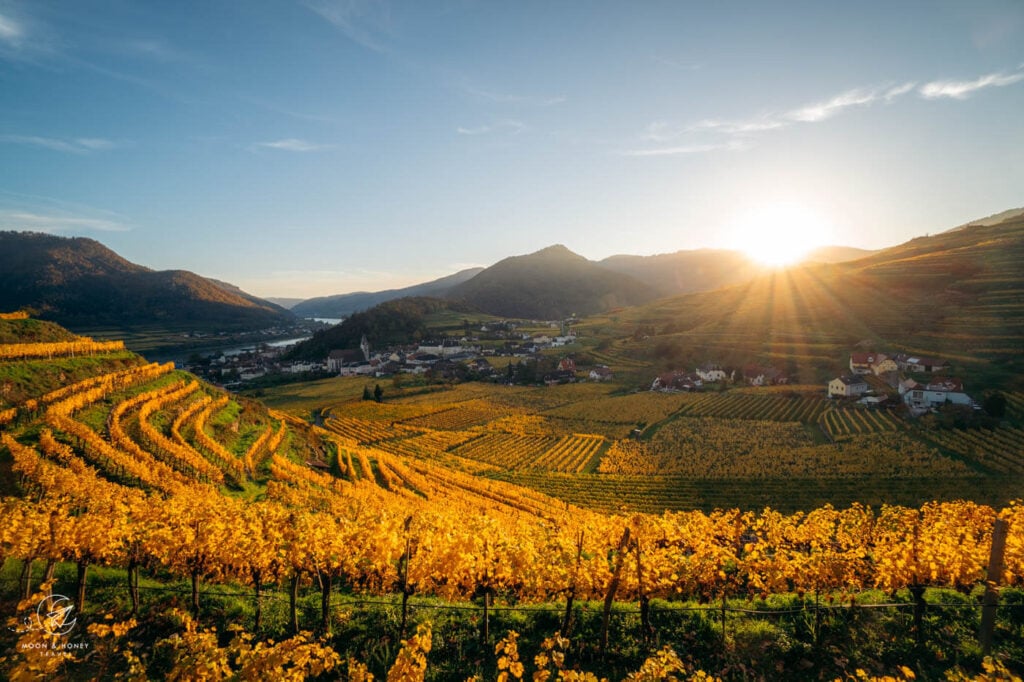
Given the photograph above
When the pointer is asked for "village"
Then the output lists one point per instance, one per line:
(873, 380)
(501, 353)
(448, 358)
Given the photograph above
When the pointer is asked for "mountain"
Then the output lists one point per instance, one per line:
(550, 284)
(956, 295)
(78, 282)
(686, 271)
(343, 305)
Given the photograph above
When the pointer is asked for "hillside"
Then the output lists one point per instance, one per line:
(550, 284)
(958, 295)
(836, 254)
(343, 305)
(78, 282)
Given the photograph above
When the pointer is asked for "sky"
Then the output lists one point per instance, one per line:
(299, 148)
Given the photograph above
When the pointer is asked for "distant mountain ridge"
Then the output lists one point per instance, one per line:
(79, 282)
(343, 305)
(549, 284)
(683, 272)
(666, 274)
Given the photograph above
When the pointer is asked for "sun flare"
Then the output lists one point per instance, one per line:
(779, 234)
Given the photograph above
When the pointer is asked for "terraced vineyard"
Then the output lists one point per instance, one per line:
(853, 421)
(745, 406)
(144, 469)
(1000, 450)
(686, 437)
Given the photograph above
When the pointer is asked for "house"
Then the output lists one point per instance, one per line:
(907, 384)
(912, 363)
(351, 369)
(754, 376)
(883, 364)
(936, 393)
(337, 359)
(481, 367)
(711, 372)
(763, 376)
(847, 386)
(566, 365)
(386, 369)
(299, 367)
(560, 377)
(860, 363)
(677, 381)
(601, 373)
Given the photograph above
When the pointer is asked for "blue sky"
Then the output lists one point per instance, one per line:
(310, 147)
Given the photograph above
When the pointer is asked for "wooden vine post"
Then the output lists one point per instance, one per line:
(404, 575)
(613, 586)
(646, 631)
(485, 631)
(995, 575)
(567, 620)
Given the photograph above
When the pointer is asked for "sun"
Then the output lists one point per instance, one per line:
(779, 234)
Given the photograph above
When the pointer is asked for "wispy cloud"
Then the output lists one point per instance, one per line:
(512, 98)
(365, 22)
(735, 127)
(292, 144)
(825, 110)
(899, 90)
(693, 138)
(964, 89)
(56, 222)
(81, 145)
(11, 31)
(505, 126)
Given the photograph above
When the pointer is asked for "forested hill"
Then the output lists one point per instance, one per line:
(397, 322)
(78, 282)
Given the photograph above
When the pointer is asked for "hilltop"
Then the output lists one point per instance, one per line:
(80, 283)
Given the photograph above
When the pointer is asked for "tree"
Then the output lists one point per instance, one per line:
(378, 393)
(994, 405)
(366, 393)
